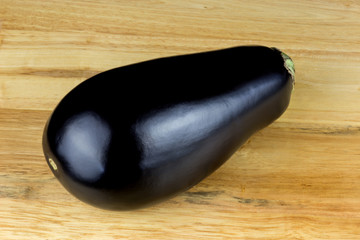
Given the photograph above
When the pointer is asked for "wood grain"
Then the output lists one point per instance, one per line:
(299, 178)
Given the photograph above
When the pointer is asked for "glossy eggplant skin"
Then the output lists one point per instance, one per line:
(136, 135)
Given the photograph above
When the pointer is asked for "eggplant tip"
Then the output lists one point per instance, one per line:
(289, 65)
(52, 164)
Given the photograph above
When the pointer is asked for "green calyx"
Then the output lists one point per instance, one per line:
(289, 65)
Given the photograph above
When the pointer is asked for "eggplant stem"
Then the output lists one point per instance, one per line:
(289, 65)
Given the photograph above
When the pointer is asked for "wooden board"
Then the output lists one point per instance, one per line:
(299, 178)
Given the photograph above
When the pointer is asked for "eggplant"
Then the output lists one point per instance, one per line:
(137, 135)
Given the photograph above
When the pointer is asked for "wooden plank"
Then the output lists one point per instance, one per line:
(299, 178)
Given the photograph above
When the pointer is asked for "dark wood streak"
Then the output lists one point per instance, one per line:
(333, 130)
(201, 197)
(349, 130)
(61, 73)
(52, 73)
(259, 202)
(16, 193)
(204, 194)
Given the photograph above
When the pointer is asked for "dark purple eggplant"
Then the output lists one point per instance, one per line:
(139, 134)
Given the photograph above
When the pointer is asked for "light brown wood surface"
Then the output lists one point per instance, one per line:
(299, 178)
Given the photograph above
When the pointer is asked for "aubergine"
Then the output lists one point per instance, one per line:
(139, 134)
